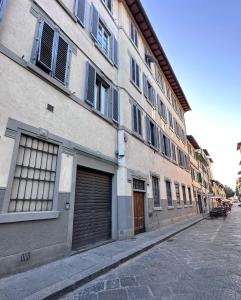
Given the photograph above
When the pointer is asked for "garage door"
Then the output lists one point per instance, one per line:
(92, 211)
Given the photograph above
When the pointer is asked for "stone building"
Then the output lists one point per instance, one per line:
(92, 130)
(201, 173)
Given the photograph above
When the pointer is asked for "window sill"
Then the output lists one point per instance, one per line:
(134, 45)
(138, 136)
(28, 216)
(103, 116)
(170, 207)
(152, 105)
(48, 78)
(110, 12)
(104, 54)
(136, 86)
(179, 206)
(157, 208)
(185, 206)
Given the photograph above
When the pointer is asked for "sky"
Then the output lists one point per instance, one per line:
(202, 40)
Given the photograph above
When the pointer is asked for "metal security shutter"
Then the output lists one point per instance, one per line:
(92, 212)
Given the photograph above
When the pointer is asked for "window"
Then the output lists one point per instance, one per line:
(162, 111)
(152, 133)
(174, 103)
(35, 176)
(3, 4)
(184, 194)
(101, 95)
(149, 91)
(156, 192)
(159, 79)
(174, 153)
(103, 38)
(147, 60)
(190, 195)
(193, 174)
(138, 185)
(135, 72)
(165, 145)
(169, 193)
(136, 115)
(108, 4)
(153, 138)
(52, 53)
(169, 95)
(133, 34)
(101, 35)
(170, 120)
(79, 10)
(178, 197)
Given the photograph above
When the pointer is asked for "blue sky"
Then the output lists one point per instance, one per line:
(202, 40)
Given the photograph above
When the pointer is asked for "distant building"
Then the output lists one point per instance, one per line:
(201, 173)
(238, 181)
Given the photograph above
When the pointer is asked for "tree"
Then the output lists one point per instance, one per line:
(228, 191)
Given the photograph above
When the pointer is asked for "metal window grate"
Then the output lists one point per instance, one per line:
(156, 192)
(34, 177)
(138, 185)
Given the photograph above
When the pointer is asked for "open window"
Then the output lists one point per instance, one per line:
(100, 94)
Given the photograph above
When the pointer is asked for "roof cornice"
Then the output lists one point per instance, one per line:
(151, 38)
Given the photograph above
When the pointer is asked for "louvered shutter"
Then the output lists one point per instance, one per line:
(80, 10)
(154, 98)
(139, 121)
(115, 105)
(132, 69)
(157, 137)
(148, 130)
(90, 84)
(168, 147)
(62, 59)
(94, 21)
(145, 89)
(162, 146)
(3, 4)
(164, 112)
(137, 75)
(109, 4)
(46, 46)
(134, 118)
(114, 51)
(159, 105)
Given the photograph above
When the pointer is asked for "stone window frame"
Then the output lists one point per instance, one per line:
(38, 133)
(156, 176)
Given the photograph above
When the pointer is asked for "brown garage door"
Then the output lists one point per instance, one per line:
(92, 211)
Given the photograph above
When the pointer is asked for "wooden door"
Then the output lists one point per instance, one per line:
(139, 219)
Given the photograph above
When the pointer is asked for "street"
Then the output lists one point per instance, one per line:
(202, 262)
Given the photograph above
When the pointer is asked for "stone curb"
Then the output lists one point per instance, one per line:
(57, 290)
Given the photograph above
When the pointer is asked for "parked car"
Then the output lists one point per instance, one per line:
(218, 211)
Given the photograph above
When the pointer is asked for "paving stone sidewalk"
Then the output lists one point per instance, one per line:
(54, 279)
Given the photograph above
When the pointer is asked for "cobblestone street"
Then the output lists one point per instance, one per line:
(202, 262)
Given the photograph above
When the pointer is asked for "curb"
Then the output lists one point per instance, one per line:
(71, 286)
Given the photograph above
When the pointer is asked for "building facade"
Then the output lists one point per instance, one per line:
(92, 132)
(201, 173)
